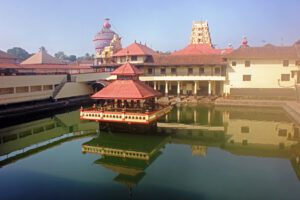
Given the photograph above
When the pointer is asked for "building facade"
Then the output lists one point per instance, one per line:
(267, 72)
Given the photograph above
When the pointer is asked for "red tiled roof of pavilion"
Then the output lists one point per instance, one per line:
(201, 49)
(127, 70)
(7, 60)
(6, 55)
(126, 89)
(135, 49)
(42, 57)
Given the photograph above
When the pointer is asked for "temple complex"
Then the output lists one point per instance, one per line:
(126, 101)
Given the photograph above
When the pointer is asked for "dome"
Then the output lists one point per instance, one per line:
(104, 37)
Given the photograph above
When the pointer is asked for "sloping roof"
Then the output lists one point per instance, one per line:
(6, 55)
(127, 70)
(266, 52)
(135, 49)
(201, 49)
(42, 57)
(179, 60)
(126, 89)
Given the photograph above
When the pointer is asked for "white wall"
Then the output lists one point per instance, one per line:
(264, 74)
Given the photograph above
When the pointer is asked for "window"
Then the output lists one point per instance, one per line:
(35, 88)
(217, 71)
(244, 142)
(150, 71)
(122, 59)
(286, 63)
(47, 87)
(246, 77)
(6, 90)
(245, 129)
(162, 70)
(133, 58)
(22, 89)
(233, 63)
(282, 132)
(173, 70)
(190, 71)
(247, 63)
(285, 77)
(201, 71)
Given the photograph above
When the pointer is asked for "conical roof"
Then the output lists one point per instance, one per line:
(126, 89)
(42, 57)
(127, 69)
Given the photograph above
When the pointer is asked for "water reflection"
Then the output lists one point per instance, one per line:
(126, 154)
(28, 138)
(265, 133)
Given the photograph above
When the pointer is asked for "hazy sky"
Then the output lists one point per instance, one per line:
(165, 25)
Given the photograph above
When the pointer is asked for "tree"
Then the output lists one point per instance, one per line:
(61, 55)
(72, 58)
(20, 53)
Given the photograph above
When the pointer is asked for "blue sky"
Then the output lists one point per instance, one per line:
(165, 25)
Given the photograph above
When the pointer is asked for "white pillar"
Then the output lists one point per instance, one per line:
(166, 88)
(178, 114)
(208, 117)
(209, 87)
(213, 88)
(195, 87)
(178, 87)
(154, 87)
(195, 116)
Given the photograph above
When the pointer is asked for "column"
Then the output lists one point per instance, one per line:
(154, 86)
(208, 117)
(195, 88)
(209, 87)
(166, 88)
(213, 88)
(178, 87)
(178, 114)
(195, 116)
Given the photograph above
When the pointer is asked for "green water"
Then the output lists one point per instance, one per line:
(198, 152)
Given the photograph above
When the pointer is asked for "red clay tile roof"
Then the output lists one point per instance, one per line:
(135, 49)
(127, 70)
(180, 60)
(126, 89)
(266, 52)
(9, 65)
(201, 49)
(54, 66)
(42, 57)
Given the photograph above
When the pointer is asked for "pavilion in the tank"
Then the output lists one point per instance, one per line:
(127, 103)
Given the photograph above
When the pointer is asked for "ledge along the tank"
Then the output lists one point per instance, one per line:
(127, 104)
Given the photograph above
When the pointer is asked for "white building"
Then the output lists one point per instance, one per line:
(264, 72)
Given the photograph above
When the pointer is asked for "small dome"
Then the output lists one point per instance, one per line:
(244, 42)
(104, 37)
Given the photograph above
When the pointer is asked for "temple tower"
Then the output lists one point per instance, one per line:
(106, 42)
(200, 33)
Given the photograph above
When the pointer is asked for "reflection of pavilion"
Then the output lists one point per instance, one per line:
(126, 154)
